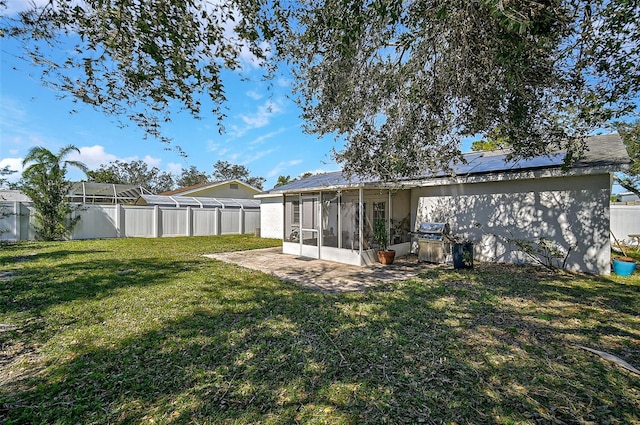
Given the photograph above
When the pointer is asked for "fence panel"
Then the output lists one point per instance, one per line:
(112, 221)
(625, 221)
(174, 221)
(139, 222)
(251, 221)
(9, 221)
(96, 221)
(205, 222)
(230, 221)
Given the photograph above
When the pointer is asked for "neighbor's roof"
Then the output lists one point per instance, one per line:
(602, 151)
(104, 193)
(208, 185)
(13, 196)
(197, 202)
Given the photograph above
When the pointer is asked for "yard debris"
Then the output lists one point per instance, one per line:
(6, 327)
(612, 358)
(5, 276)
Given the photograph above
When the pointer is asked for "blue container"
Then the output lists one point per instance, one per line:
(623, 268)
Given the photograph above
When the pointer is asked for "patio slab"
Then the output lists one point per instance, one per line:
(324, 275)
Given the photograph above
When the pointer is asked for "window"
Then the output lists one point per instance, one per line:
(379, 213)
(233, 186)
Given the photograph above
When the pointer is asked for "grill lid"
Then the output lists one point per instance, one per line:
(433, 228)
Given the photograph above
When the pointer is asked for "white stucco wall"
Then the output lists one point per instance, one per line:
(271, 217)
(572, 211)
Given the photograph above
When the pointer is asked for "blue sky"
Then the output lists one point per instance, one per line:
(263, 128)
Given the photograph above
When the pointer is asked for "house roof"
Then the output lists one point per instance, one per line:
(208, 185)
(197, 202)
(606, 151)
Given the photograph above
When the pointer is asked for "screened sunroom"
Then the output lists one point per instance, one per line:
(337, 224)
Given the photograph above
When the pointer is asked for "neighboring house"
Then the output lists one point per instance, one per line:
(13, 196)
(627, 197)
(234, 189)
(497, 204)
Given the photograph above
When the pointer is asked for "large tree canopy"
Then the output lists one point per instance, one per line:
(402, 83)
(224, 170)
(135, 173)
(405, 82)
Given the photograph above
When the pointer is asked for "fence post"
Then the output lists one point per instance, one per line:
(218, 220)
(189, 218)
(241, 221)
(16, 219)
(156, 221)
(119, 217)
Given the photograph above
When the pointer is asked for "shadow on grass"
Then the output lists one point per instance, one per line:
(469, 347)
(35, 288)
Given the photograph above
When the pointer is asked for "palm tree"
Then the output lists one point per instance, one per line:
(44, 181)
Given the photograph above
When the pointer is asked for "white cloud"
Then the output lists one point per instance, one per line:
(153, 162)
(282, 166)
(16, 6)
(254, 95)
(261, 139)
(93, 156)
(263, 115)
(14, 164)
(248, 59)
(174, 168)
(256, 156)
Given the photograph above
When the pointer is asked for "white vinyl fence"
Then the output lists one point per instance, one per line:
(118, 221)
(625, 221)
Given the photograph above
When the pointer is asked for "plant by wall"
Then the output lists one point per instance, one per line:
(544, 252)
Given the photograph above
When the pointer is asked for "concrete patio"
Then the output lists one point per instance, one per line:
(324, 275)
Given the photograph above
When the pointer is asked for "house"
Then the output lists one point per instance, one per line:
(502, 206)
(234, 189)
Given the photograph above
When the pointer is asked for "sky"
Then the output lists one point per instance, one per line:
(263, 129)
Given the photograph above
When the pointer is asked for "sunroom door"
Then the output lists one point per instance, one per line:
(310, 229)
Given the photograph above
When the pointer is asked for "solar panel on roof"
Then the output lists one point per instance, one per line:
(541, 161)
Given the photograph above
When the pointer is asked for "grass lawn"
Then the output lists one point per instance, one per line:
(149, 331)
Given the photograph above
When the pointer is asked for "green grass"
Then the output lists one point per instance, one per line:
(149, 331)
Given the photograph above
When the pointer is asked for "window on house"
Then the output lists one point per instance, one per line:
(233, 186)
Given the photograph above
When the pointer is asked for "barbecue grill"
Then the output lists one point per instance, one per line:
(430, 242)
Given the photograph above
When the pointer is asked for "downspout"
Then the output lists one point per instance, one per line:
(339, 219)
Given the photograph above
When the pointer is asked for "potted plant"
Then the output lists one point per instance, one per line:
(622, 264)
(385, 256)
